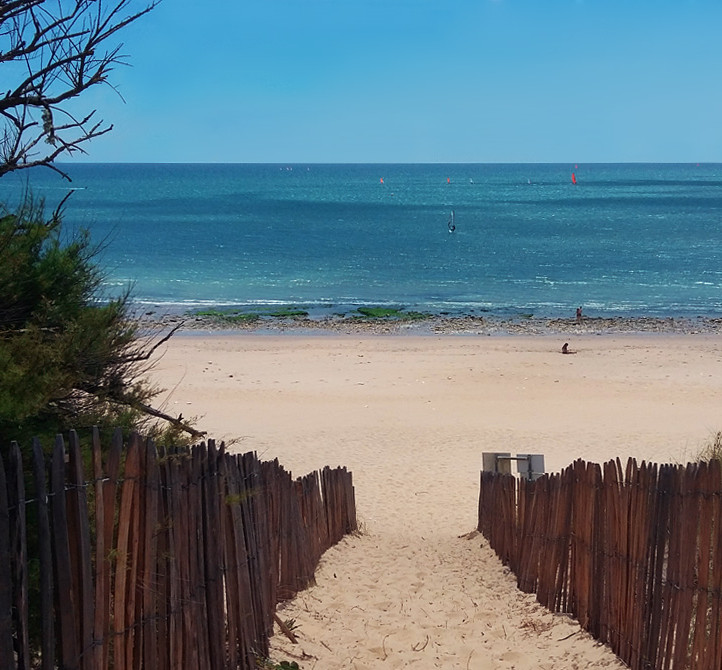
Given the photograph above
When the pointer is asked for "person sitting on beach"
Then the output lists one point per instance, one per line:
(566, 349)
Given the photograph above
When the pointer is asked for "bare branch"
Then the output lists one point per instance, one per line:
(148, 353)
(53, 52)
(145, 408)
(174, 421)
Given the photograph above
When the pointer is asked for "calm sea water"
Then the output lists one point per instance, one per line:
(630, 239)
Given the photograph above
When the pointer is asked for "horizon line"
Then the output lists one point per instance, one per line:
(577, 162)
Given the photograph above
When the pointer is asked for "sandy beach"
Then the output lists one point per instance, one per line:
(410, 416)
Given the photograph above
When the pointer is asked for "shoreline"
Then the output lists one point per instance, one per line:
(432, 325)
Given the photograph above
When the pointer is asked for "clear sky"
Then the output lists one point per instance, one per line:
(418, 81)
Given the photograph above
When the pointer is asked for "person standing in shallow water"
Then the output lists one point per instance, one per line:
(579, 313)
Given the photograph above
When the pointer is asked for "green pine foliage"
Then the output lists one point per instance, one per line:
(68, 357)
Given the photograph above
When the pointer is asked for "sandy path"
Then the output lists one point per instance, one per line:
(410, 416)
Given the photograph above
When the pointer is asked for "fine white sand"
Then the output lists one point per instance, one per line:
(410, 416)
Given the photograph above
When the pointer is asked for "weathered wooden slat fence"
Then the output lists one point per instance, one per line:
(161, 561)
(635, 554)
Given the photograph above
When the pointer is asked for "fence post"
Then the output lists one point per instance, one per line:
(78, 523)
(18, 553)
(6, 585)
(47, 621)
(68, 616)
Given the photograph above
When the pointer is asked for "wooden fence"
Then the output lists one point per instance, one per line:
(635, 555)
(158, 561)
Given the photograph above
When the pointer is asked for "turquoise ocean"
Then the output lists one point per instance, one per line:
(626, 240)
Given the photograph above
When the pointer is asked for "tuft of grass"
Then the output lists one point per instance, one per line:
(291, 625)
(712, 451)
(361, 529)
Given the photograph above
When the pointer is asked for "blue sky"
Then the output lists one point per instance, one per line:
(418, 81)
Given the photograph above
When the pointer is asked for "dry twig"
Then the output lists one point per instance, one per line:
(419, 646)
(285, 629)
(566, 637)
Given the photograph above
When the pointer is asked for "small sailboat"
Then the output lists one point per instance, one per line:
(452, 222)
(574, 179)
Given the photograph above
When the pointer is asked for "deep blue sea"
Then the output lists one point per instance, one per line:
(628, 239)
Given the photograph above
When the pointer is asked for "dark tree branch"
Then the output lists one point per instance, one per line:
(177, 422)
(53, 52)
(147, 409)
